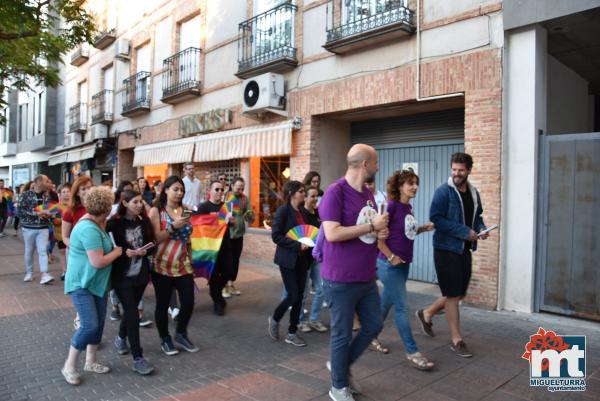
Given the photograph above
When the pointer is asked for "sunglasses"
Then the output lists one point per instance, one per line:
(219, 189)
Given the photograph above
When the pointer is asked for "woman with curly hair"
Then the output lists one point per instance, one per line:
(395, 256)
(91, 254)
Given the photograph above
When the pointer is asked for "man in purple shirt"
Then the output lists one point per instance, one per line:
(352, 227)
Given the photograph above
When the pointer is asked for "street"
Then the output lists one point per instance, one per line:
(238, 360)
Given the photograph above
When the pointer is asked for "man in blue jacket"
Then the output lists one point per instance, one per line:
(456, 212)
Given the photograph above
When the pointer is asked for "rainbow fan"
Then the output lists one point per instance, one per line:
(233, 203)
(304, 233)
(48, 208)
(225, 213)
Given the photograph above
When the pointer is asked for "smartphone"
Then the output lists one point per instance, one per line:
(186, 214)
(146, 247)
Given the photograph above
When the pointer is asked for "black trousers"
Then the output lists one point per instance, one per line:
(130, 323)
(3, 219)
(220, 276)
(294, 281)
(163, 288)
(237, 245)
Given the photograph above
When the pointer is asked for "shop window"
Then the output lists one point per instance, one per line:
(274, 173)
(206, 172)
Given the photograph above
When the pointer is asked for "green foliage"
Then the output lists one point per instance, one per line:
(34, 36)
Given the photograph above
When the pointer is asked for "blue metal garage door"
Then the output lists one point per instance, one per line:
(426, 143)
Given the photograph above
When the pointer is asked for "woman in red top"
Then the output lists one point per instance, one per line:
(76, 210)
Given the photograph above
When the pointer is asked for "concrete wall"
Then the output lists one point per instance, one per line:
(434, 10)
(519, 13)
(335, 141)
(524, 114)
(568, 100)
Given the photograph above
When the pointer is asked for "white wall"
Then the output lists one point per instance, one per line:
(221, 65)
(524, 114)
(568, 100)
(222, 20)
(314, 38)
(162, 43)
(434, 10)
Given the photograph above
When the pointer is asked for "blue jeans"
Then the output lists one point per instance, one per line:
(92, 312)
(394, 294)
(344, 299)
(38, 239)
(315, 309)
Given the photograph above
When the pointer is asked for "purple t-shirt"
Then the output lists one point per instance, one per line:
(403, 230)
(354, 260)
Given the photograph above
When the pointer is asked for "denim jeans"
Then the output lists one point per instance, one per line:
(92, 312)
(38, 239)
(344, 299)
(394, 294)
(317, 301)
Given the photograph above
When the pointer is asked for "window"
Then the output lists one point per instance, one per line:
(274, 173)
(40, 128)
(4, 129)
(274, 31)
(355, 10)
(206, 172)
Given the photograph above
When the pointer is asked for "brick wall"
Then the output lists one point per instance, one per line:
(478, 76)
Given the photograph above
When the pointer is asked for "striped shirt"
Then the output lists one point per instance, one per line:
(172, 258)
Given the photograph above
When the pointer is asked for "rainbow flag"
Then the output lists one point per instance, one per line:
(10, 206)
(233, 204)
(207, 236)
(49, 208)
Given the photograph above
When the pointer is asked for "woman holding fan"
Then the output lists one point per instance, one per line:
(293, 258)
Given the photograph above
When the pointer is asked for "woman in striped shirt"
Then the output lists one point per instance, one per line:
(172, 267)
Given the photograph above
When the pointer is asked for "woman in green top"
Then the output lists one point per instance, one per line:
(91, 253)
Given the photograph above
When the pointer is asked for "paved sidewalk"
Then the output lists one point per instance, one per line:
(238, 361)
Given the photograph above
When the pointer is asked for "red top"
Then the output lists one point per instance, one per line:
(73, 218)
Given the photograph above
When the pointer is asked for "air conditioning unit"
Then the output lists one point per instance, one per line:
(122, 49)
(67, 141)
(73, 138)
(264, 93)
(99, 131)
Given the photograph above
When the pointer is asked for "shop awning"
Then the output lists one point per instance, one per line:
(256, 141)
(58, 158)
(171, 152)
(83, 153)
(73, 155)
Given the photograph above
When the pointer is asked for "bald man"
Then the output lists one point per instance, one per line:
(352, 227)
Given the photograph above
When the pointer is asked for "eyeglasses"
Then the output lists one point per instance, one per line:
(219, 189)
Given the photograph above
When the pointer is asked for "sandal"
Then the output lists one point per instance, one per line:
(377, 346)
(426, 327)
(96, 367)
(419, 361)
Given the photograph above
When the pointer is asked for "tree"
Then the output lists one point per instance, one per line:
(34, 36)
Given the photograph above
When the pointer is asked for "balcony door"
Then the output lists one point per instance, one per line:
(108, 78)
(273, 30)
(188, 63)
(355, 10)
(142, 82)
(83, 96)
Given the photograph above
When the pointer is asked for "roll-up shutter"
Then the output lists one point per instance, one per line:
(435, 126)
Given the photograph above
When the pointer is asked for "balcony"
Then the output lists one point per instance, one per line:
(78, 118)
(8, 149)
(361, 23)
(80, 55)
(105, 39)
(181, 80)
(102, 107)
(136, 94)
(266, 42)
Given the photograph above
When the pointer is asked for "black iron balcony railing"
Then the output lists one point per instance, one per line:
(136, 93)
(78, 118)
(268, 40)
(367, 18)
(80, 55)
(182, 75)
(104, 38)
(102, 107)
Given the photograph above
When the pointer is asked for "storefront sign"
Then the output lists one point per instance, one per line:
(205, 122)
(20, 176)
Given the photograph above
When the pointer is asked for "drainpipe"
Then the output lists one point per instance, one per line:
(418, 82)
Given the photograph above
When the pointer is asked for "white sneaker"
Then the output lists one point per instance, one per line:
(343, 394)
(353, 387)
(28, 277)
(46, 278)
